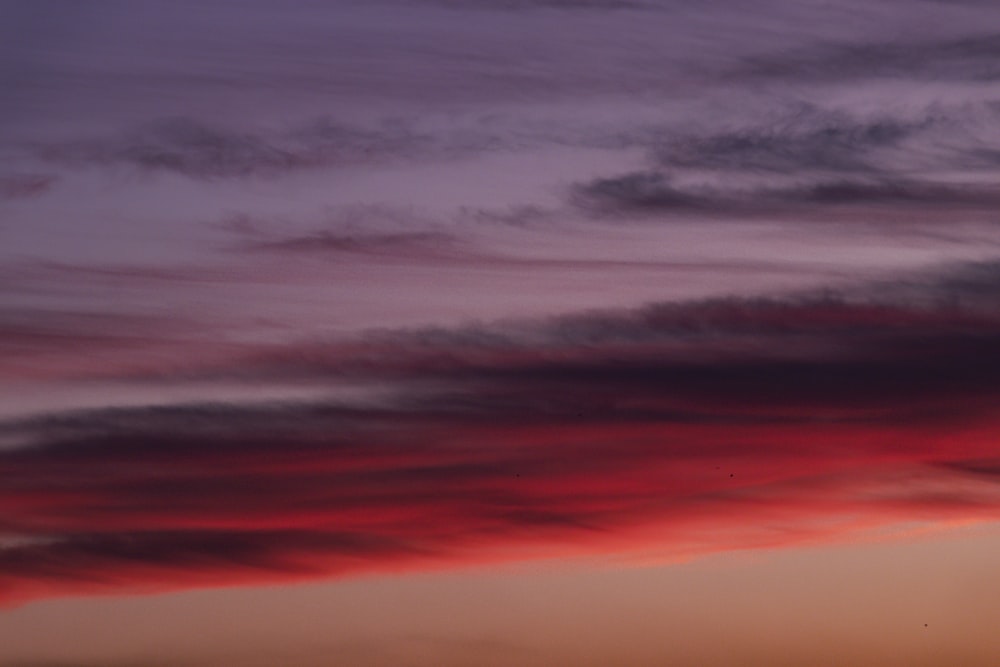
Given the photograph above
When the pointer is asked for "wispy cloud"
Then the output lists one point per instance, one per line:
(204, 150)
(932, 156)
(653, 192)
(731, 421)
(25, 186)
(809, 138)
(972, 57)
(56, 343)
(359, 230)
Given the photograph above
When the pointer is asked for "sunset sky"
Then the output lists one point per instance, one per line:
(499, 332)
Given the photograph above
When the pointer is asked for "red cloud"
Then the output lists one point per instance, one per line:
(346, 493)
(677, 428)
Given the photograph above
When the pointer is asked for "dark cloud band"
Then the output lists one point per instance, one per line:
(568, 434)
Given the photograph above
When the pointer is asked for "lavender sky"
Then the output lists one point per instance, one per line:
(311, 307)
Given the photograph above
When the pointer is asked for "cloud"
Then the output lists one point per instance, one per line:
(640, 191)
(693, 426)
(807, 138)
(891, 192)
(711, 424)
(986, 467)
(207, 151)
(359, 229)
(25, 186)
(423, 244)
(755, 356)
(28, 329)
(968, 58)
(655, 193)
(809, 158)
(52, 343)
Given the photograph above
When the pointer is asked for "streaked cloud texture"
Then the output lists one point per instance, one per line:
(300, 291)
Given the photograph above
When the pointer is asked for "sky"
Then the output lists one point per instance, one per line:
(499, 332)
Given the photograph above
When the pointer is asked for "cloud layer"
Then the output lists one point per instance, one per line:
(397, 349)
(713, 424)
